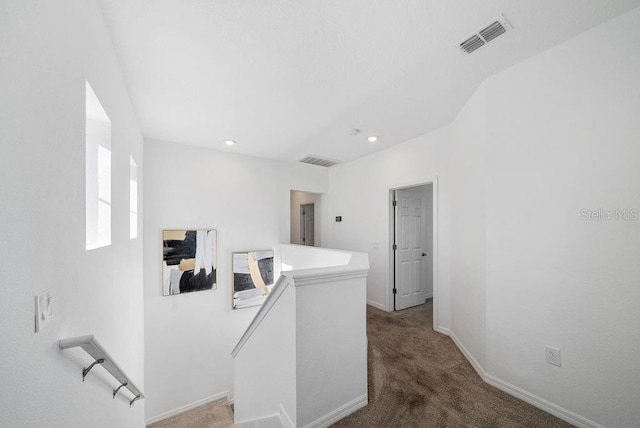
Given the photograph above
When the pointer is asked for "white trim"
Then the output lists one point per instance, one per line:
(281, 420)
(534, 400)
(476, 366)
(186, 407)
(421, 182)
(428, 296)
(414, 183)
(285, 419)
(390, 255)
(442, 330)
(323, 275)
(541, 403)
(339, 413)
(272, 421)
(376, 304)
(434, 220)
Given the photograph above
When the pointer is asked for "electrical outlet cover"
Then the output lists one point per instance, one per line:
(44, 309)
(552, 355)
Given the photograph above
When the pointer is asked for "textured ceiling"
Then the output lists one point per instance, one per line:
(292, 77)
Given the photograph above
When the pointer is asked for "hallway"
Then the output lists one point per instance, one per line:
(419, 378)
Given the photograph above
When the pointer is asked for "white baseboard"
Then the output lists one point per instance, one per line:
(476, 366)
(549, 407)
(285, 419)
(268, 422)
(275, 421)
(428, 296)
(376, 305)
(340, 412)
(186, 407)
(442, 330)
(534, 400)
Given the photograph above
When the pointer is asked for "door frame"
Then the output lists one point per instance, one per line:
(321, 219)
(390, 267)
(302, 225)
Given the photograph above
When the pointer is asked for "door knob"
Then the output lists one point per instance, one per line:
(424, 254)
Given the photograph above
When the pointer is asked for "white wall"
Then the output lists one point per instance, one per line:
(359, 192)
(47, 50)
(533, 147)
(265, 367)
(468, 276)
(299, 198)
(428, 238)
(317, 371)
(563, 135)
(331, 357)
(189, 338)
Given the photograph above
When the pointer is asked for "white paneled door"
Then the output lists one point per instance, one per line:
(410, 252)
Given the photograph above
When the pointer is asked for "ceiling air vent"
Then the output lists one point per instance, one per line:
(317, 160)
(490, 32)
(471, 44)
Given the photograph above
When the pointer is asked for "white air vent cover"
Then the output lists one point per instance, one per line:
(488, 33)
(317, 160)
(471, 44)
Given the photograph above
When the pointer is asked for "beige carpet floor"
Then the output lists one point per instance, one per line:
(419, 378)
(216, 414)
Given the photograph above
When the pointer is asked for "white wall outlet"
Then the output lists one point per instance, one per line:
(44, 309)
(552, 355)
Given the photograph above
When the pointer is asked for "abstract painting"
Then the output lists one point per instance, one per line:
(252, 278)
(188, 261)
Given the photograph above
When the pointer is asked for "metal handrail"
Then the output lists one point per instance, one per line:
(101, 357)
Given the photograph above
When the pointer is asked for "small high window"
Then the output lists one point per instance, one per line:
(98, 173)
(133, 198)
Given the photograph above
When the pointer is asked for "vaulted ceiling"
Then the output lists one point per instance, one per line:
(288, 78)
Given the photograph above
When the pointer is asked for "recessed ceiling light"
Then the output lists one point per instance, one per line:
(373, 138)
(229, 142)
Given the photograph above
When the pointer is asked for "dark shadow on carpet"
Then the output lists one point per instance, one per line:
(419, 378)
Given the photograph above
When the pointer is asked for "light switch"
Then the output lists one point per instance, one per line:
(44, 309)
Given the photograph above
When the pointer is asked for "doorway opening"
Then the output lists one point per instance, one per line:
(413, 250)
(307, 224)
(305, 218)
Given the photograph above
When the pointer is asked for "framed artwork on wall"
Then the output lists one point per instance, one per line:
(189, 261)
(252, 277)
